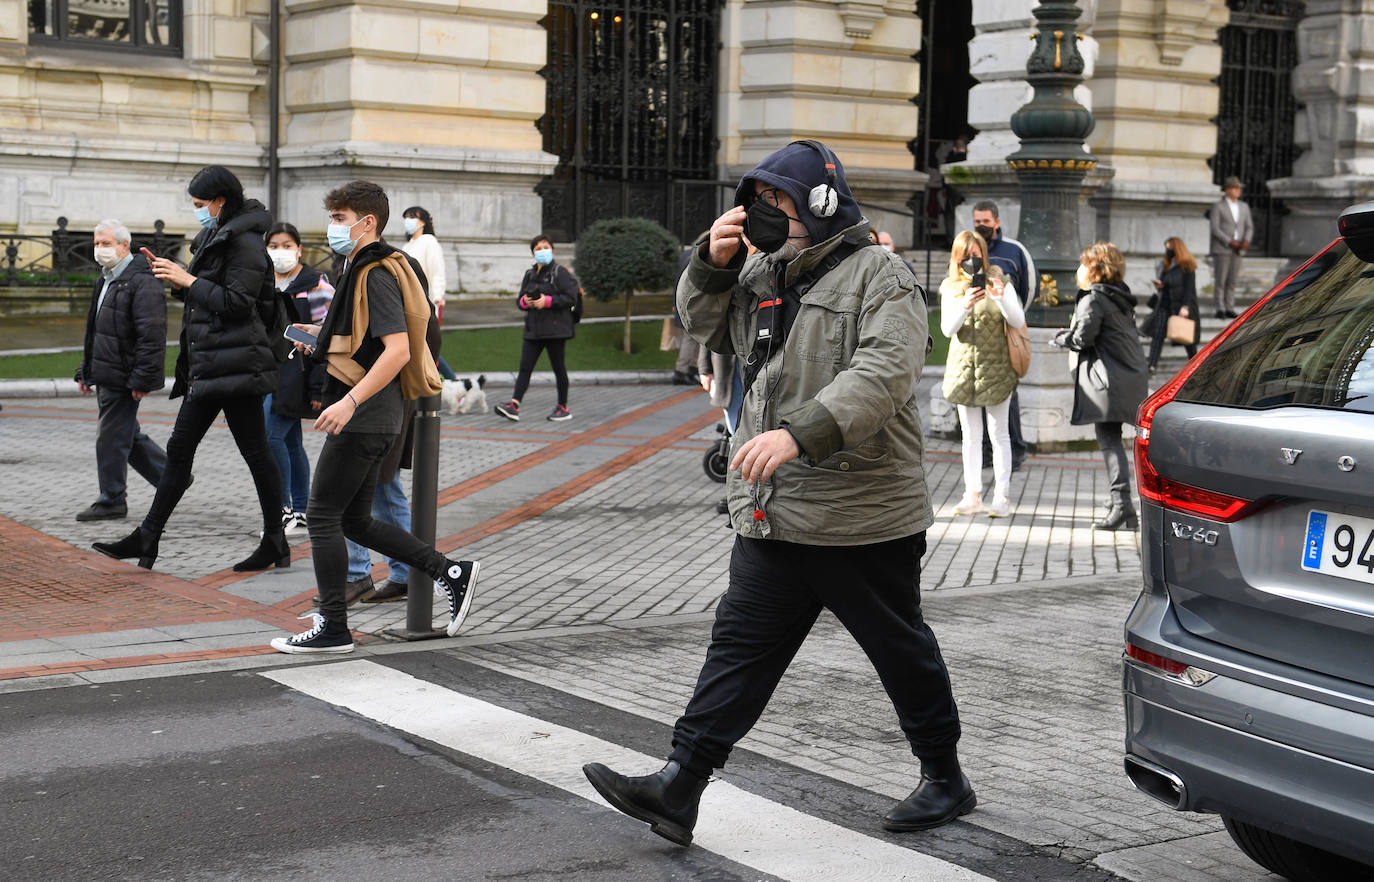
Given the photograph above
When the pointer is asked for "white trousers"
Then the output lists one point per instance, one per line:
(971, 424)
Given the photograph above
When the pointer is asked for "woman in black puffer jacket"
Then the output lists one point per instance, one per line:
(227, 361)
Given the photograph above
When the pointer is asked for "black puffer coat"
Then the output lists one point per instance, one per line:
(224, 347)
(126, 340)
(557, 281)
(302, 380)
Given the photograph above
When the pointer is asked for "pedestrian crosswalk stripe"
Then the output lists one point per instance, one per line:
(734, 823)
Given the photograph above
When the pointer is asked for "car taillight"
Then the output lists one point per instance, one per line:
(1175, 494)
(1174, 670)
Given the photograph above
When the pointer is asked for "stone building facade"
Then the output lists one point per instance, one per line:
(498, 115)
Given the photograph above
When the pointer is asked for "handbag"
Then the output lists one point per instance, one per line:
(668, 338)
(1018, 347)
(1180, 329)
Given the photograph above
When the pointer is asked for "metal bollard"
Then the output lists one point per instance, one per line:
(424, 507)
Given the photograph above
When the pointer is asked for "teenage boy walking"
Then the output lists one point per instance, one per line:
(373, 344)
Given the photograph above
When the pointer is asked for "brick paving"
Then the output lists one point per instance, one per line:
(603, 560)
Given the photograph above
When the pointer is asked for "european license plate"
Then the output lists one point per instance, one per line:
(1339, 545)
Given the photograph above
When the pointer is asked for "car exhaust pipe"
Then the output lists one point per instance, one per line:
(1157, 781)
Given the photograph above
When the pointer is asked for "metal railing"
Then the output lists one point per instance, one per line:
(64, 259)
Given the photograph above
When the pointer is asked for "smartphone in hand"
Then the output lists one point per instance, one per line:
(147, 254)
(296, 335)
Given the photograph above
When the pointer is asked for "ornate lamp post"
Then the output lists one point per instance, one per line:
(1052, 160)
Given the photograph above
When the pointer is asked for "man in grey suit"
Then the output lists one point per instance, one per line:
(1232, 230)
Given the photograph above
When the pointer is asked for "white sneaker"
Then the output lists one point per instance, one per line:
(972, 503)
(295, 523)
(1000, 508)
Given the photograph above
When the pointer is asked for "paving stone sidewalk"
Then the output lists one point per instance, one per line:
(603, 560)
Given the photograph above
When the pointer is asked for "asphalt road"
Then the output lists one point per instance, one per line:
(235, 776)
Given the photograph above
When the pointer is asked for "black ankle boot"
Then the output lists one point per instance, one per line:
(272, 550)
(1121, 516)
(943, 795)
(666, 801)
(141, 543)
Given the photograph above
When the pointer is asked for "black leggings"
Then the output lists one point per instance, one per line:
(529, 354)
(244, 415)
(341, 506)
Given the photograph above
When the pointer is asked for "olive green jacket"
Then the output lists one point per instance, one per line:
(843, 383)
(978, 371)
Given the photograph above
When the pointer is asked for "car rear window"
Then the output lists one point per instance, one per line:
(1310, 345)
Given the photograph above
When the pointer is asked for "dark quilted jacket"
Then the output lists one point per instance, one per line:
(126, 341)
(224, 347)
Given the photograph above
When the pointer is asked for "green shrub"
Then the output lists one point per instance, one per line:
(619, 256)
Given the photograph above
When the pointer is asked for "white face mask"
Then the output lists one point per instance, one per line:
(107, 256)
(1082, 278)
(283, 259)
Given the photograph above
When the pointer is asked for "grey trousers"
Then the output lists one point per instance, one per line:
(1225, 269)
(687, 354)
(120, 443)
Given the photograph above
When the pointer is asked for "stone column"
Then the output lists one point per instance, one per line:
(1154, 99)
(434, 101)
(1334, 84)
(840, 72)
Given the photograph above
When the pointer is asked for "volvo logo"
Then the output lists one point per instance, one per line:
(1200, 535)
(1346, 463)
(1290, 454)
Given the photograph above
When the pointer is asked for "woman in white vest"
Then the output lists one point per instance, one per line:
(976, 307)
(421, 245)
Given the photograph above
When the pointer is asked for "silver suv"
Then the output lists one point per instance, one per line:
(1249, 665)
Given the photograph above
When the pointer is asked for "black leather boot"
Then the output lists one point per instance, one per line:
(943, 795)
(1121, 516)
(141, 543)
(666, 801)
(272, 550)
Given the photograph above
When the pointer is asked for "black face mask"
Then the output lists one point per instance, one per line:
(767, 226)
(1168, 254)
(986, 232)
(971, 265)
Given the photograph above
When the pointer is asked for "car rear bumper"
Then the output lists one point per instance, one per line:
(1257, 752)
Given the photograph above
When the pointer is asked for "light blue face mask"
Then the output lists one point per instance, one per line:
(203, 215)
(411, 224)
(339, 238)
(544, 256)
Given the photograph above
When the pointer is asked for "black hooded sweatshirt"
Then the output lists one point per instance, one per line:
(225, 352)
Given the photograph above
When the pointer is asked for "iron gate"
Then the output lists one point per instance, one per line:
(630, 113)
(1259, 50)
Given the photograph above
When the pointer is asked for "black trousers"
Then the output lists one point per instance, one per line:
(341, 507)
(1114, 455)
(777, 589)
(529, 354)
(120, 443)
(249, 427)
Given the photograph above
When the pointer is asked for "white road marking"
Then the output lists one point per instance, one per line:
(734, 823)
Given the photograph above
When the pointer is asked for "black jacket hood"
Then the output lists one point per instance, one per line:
(1117, 293)
(795, 170)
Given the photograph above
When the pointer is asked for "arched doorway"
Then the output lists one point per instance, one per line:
(630, 113)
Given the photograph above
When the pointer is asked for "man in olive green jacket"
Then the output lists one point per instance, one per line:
(827, 494)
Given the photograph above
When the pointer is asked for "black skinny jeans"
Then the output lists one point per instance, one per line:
(529, 354)
(1114, 454)
(777, 589)
(341, 506)
(244, 415)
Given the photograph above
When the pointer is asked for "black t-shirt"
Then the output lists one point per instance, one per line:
(382, 413)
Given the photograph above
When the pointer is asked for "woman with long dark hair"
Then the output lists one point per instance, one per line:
(1176, 293)
(227, 362)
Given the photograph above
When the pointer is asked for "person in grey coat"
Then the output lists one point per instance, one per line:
(1110, 376)
(1232, 229)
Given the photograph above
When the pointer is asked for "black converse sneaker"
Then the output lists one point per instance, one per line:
(458, 583)
(323, 636)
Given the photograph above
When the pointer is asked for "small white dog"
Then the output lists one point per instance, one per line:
(463, 394)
